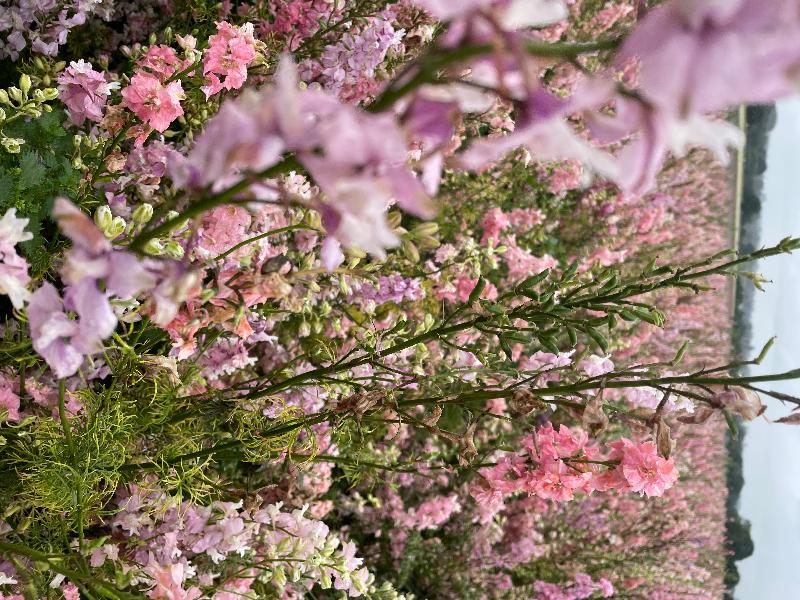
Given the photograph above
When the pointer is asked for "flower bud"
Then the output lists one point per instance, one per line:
(25, 84)
(279, 576)
(743, 402)
(16, 94)
(143, 214)
(3, 97)
(116, 228)
(173, 249)
(154, 246)
(426, 229)
(38, 95)
(50, 93)
(103, 217)
(2, 115)
(12, 145)
(325, 580)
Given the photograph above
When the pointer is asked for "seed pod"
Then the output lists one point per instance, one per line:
(742, 402)
(524, 402)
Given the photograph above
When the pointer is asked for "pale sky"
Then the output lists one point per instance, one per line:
(771, 495)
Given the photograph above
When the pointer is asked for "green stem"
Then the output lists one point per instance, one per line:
(195, 209)
(261, 236)
(62, 415)
(54, 563)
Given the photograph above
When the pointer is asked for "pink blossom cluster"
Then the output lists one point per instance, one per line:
(155, 103)
(357, 159)
(582, 587)
(558, 463)
(228, 55)
(66, 330)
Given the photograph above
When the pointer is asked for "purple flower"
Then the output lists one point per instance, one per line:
(544, 132)
(703, 56)
(52, 331)
(64, 331)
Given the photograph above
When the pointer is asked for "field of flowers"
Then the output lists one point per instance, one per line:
(359, 298)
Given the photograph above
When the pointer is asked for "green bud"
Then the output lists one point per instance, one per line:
(325, 580)
(411, 251)
(355, 252)
(15, 93)
(3, 97)
(25, 84)
(344, 287)
(39, 63)
(394, 219)
(103, 217)
(154, 246)
(2, 115)
(429, 228)
(143, 214)
(116, 228)
(59, 66)
(38, 95)
(50, 93)
(173, 249)
(279, 576)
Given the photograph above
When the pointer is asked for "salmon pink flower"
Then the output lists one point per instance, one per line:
(162, 61)
(156, 104)
(229, 53)
(642, 468)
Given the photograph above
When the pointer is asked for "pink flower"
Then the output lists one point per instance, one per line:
(229, 53)
(9, 400)
(84, 91)
(642, 468)
(494, 222)
(161, 60)
(169, 582)
(156, 104)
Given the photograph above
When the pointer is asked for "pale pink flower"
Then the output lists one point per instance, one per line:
(14, 277)
(169, 582)
(595, 366)
(84, 91)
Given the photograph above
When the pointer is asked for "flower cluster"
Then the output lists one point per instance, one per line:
(558, 463)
